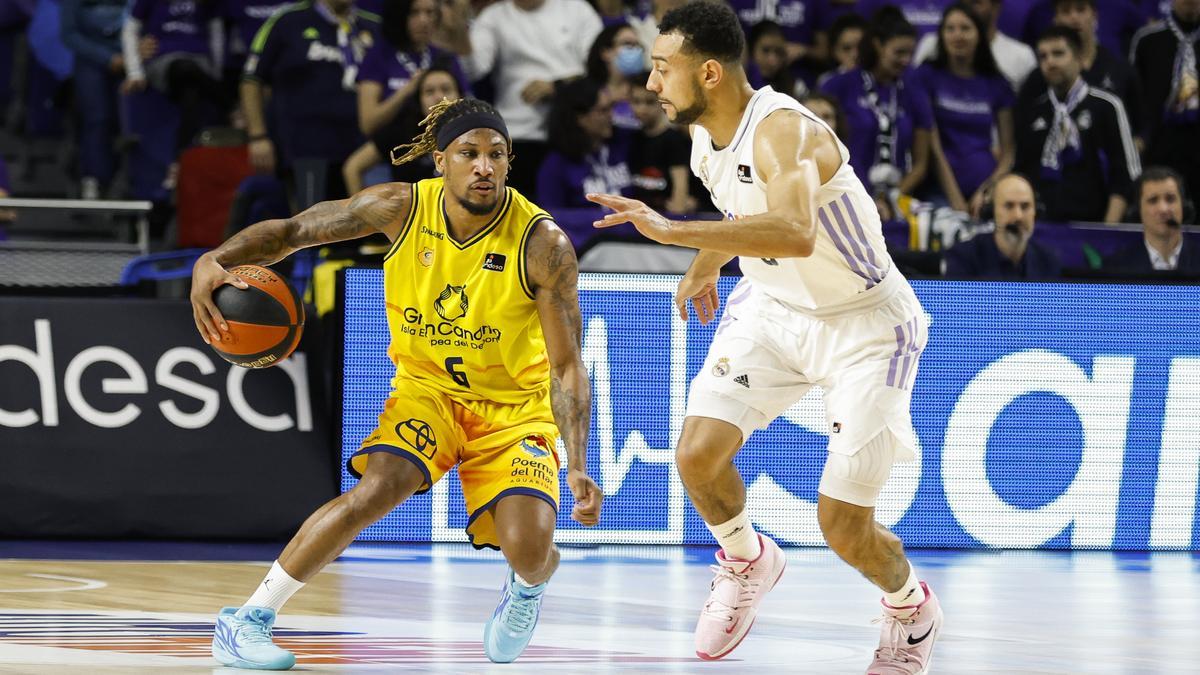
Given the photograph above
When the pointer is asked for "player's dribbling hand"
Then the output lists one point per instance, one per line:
(587, 498)
(652, 224)
(207, 276)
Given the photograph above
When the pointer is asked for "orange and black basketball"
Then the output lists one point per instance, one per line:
(265, 320)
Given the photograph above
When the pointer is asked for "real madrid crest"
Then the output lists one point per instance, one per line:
(703, 171)
(425, 257)
(1085, 120)
(721, 369)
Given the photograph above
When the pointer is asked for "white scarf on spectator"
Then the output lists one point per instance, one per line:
(1185, 82)
(1064, 133)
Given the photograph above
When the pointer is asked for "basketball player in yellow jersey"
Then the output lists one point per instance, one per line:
(483, 309)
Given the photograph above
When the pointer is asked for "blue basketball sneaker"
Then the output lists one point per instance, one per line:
(243, 640)
(510, 629)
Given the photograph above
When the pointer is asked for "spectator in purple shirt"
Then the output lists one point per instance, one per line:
(887, 111)
(432, 85)
(389, 71)
(972, 104)
(615, 56)
(188, 43)
(586, 155)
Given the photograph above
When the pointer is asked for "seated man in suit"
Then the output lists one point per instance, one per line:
(1007, 253)
(1161, 195)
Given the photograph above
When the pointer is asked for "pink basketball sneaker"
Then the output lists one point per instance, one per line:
(737, 589)
(906, 644)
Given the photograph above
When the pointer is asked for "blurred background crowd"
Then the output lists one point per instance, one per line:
(221, 113)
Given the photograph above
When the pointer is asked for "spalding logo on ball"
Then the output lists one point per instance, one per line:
(265, 320)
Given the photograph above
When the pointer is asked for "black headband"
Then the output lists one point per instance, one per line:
(473, 120)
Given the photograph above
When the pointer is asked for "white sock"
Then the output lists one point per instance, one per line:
(737, 537)
(909, 595)
(275, 589)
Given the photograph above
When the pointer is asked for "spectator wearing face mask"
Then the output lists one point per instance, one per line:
(1008, 252)
(616, 55)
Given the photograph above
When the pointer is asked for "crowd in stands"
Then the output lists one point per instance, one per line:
(936, 100)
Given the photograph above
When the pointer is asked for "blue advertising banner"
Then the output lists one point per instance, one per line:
(1049, 416)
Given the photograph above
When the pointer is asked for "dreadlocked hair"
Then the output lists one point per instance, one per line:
(439, 114)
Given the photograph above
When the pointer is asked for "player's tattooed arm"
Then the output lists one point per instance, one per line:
(553, 275)
(380, 208)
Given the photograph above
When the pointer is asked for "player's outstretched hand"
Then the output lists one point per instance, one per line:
(207, 277)
(651, 223)
(587, 498)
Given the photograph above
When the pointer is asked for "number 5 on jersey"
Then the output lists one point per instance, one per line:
(459, 377)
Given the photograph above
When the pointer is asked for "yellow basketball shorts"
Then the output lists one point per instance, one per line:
(500, 450)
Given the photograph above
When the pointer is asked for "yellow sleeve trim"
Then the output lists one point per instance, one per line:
(522, 268)
(408, 221)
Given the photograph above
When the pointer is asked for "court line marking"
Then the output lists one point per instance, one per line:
(87, 584)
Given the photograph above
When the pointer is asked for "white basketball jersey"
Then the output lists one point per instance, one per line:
(850, 255)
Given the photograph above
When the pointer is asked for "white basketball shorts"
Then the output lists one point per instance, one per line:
(766, 355)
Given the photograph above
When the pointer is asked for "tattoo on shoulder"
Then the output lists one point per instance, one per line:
(552, 258)
(372, 210)
(554, 274)
(383, 208)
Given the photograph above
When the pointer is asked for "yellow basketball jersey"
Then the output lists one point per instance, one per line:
(462, 314)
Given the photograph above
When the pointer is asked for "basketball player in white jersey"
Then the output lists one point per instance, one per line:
(820, 304)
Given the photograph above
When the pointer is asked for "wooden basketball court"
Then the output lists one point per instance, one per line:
(69, 608)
